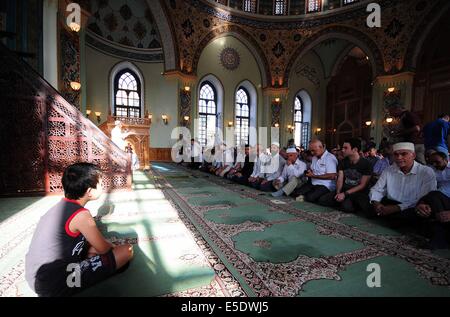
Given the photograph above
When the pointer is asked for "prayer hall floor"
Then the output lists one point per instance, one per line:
(199, 235)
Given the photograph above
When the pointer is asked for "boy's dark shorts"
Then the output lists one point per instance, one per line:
(52, 279)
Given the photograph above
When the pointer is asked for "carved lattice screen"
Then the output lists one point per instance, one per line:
(41, 133)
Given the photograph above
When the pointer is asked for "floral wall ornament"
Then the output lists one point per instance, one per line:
(276, 113)
(229, 58)
(125, 12)
(297, 37)
(278, 49)
(394, 28)
(70, 66)
(185, 107)
(188, 28)
(308, 72)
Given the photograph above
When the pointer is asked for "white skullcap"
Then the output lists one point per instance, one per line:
(404, 146)
(291, 150)
(276, 143)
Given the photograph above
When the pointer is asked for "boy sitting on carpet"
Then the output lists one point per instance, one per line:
(67, 252)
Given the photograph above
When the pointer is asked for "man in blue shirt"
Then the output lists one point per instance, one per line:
(436, 133)
(437, 203)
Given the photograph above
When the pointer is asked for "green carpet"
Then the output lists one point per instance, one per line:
(395, 275)
(242, 213)
(280, 247)
(282, 243)
(191, 230)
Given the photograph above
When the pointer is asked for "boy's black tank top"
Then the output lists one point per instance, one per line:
(53, 242)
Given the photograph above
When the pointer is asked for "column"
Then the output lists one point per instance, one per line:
(50, 40)
(387, 89)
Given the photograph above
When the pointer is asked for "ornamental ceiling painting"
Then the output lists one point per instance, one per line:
(279, 42)
(126, 22)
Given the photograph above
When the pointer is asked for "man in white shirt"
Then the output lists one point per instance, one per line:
(254, 179)
(118, 136)
(208, 159)
(322, 173)
(271, 167)
(288, 180)
(217, 162)
(239, 162)
(402, 184)
(227, 162)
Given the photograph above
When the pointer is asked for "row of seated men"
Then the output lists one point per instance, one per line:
(397, 187)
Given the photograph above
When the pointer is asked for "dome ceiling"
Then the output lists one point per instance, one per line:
(126, 22)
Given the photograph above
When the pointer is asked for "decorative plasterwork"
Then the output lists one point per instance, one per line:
(229, 58)
(195, 23)
(128, 23)
(394, 80)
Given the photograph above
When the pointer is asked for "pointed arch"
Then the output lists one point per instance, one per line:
(422, 32)
(165, 33)
(302, 111)
(345, 33)
(250, 89)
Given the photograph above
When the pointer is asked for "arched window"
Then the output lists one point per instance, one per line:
(298, 120)
(207, 113)
(127, 92)
(314, 6)
(302, 110)
(242, 120)
(280, 7)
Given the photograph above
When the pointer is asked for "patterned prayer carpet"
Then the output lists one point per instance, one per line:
(280, 247)
(198, 235)
(171, 258)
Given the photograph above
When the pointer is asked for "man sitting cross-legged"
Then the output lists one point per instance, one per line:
(226, 158)
(253, 179)
(353, 177)
(241, 176)
(208, 159)
(437, 203)
(272, 165)
(322, 173)
(292, 171)
(401, 185)
(238, 162)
